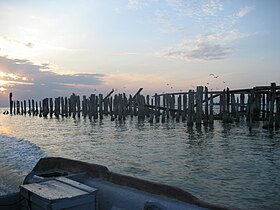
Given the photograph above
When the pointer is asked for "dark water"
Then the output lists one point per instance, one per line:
(222, 164)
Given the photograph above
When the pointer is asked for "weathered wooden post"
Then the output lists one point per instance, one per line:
(11, 103)
(51, 107)
(29, 107)
(233, 105)
(141, 107)
(100, 104)
(45, 107)
(185, 101)
(147, 111)
(199, 97)
(211, 116)
(273, 96)
(40, 105)
(36, 110)
(18, 108)
(33, 107)
(190, 108)
(111, 107)
(237, 111)
(84, 106)
(66, 106)
(167, 97)
(179, 107)
(263, 106)
(268, 101)
(14, 105)
(221, 103)
(250, 105)
(157, 104)
(24, 107)
(206, 112)
(57, 107)
(258, 105)
(95, 107)
(224, 112)
(78, 103)
(73, 105)
(242, 103)
(277, 116)
(90, 106)
(62, 107)
(21, 105)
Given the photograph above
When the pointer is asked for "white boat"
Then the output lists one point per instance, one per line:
(60, 183)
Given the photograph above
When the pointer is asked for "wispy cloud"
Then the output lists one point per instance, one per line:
(244, 11)
(212, 7)
(135, 4)
(15, 41)
(22, 76)
(201, 48)
(166, 23)
(196, 8)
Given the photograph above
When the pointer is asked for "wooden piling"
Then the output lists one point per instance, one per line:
(29, 107)
(199, 98)
(206, 112)
(62, 107)
(78, 103)
(66, 109)
(51, 107)
(33, 107)
(21, 105)
(18, 108)
(40, 105)
(45, 107)
(190, 108)
(37, 110)
(57, 107)
(100, 104)
(11, 103)
(272, 101)
(24, 107)
(211, 116)
(277, 116)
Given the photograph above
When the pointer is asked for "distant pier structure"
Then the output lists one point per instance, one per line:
(199, 106)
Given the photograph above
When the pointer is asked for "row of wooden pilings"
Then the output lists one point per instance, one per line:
(260, 103)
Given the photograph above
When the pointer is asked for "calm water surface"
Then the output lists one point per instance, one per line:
(222, 164)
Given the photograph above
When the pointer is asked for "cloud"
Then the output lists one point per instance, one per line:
(196, 8)
(211, 8)
(244, 11)
(202, 48)
(28, 80)
(166, 23)
(135, 4)
(15, 41)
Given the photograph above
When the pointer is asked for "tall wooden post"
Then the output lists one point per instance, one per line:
(11, 103)
(273, 96)
(199, 97)
(206, 112)
(190, 108)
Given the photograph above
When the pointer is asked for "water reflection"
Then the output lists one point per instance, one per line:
(221, 163)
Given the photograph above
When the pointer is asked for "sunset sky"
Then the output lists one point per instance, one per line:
(56, 47)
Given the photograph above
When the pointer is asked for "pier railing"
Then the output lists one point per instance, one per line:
(200, 106)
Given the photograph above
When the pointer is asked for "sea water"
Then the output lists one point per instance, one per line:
(224, 164)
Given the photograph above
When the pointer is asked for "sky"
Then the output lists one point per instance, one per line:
(58, 47)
